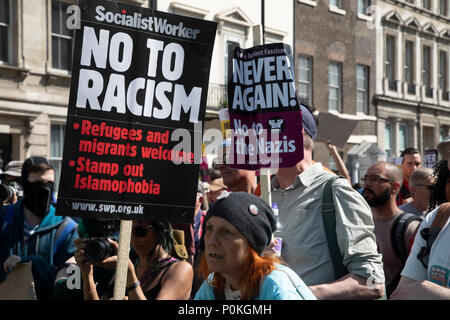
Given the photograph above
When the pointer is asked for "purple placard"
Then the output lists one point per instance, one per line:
(265, 118)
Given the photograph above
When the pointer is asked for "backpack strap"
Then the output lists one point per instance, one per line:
(430, 234)
(398, 234)
(329, 223)
(61, 235)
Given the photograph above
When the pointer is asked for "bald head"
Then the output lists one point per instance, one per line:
(393, 172)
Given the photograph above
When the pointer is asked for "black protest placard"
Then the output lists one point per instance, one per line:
(133, 137)
(430, 158)
(265, 116)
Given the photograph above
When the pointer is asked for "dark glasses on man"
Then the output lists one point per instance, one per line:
(141, 231)
(375, 179)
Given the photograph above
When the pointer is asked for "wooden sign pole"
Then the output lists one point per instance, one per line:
(120, 279)
(265, 185)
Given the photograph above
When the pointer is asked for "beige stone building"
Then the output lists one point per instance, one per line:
(412, 76)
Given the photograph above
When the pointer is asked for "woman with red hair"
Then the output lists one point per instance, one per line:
(237, 229)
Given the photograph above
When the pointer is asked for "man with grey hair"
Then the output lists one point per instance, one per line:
(420, 185)
(382, 184)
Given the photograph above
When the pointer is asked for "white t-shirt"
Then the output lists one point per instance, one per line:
(438, 270)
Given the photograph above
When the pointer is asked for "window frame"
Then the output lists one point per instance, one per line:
(310, 80)
(365, 90)
(9, 41)
(52, 35)
(426, 5)
(445, 13)
(336, 4)
(57, 158)
(402, 125)
(411, 80)
(365, 5)
(388, 125)
(445, 76)
(426, 74)
(338, 87)
(392, 75)
(227, 59)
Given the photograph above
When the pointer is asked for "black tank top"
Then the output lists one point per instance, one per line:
(152, 293)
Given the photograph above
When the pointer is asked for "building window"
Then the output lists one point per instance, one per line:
(388, 140)
(390, 62)
(402, 136)
(4, 30)
(56, 149)
(363, 5)
(443, 7)
(426, 70)
(428, 138)
(362, 89)
(62, 38)
(305, 78)
(426, 4)
(336, 3)
(229, 51)
(443, 74)
(443, 133)
(334, 86)
(409, 66)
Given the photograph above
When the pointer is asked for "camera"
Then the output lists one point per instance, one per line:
(97, 247)
(7, 194)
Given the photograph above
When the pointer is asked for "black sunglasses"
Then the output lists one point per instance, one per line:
(141, 231)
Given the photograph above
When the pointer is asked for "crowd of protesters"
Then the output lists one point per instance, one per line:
(389, 240)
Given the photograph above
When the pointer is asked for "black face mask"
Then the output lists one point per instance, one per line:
(38, 197)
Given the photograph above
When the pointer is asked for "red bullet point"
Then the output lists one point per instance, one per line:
(76, 126)
(71, 163)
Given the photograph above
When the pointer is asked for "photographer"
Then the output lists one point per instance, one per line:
(154, 275)
(94, 234)
(11, 189)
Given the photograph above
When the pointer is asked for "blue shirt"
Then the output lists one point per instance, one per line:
(278, 285)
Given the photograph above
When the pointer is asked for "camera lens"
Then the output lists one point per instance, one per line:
(98, 250)
(6, 193)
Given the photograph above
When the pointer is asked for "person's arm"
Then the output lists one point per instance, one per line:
(357, 244)
(89, 286)
(177, 282)
(87, 272)
(351, 286)
(136, 292)
(410, 289)
(342, 169)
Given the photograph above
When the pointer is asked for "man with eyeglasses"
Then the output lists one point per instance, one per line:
(426, 275)
(420, 185)
(382, 183)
